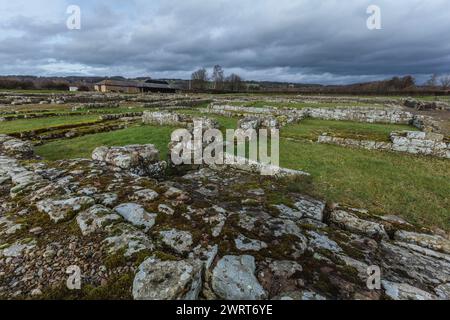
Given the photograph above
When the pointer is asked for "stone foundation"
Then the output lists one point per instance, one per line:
(163, 118)
(258, 122)
(359, 114)
(421, 143)
(371, 115)
(419, 105)
(430, 144)
(284, 116)
(120, 116)
(142, 160)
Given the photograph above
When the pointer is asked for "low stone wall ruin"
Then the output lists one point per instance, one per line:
(421, 143)
(121, 116)
(96, 105)
(255, 122)
(166, 118)
(430, 144)
(163, 118)
(359, 114)
(393, 115)
(371, 115)
(420, 105)
(142, 160)
(256, 167)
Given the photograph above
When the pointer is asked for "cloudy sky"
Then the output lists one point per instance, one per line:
(310, 41)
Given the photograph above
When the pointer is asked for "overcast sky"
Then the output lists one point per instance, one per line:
(309, 41)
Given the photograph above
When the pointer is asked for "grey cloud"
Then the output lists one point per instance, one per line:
(299, 41)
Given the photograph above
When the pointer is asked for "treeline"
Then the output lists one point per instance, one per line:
(17, 84)
(218, 82)
(20, 84)
(201, 80)
(396, 84)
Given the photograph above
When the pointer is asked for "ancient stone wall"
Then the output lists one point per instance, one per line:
(282, 116)
(394, 115)
(355, 143)
(359, 114)
(121, 115)
(371, 115)
(166, 118)
(162, 118)
(143, 160)
(426, 123)
(421, 143)
(431, 105)
(258, 122)
(430, 144)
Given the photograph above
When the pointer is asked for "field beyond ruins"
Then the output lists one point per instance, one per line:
(369, 183)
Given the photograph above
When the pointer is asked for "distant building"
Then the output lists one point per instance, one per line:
(128, 86)
(73, 89)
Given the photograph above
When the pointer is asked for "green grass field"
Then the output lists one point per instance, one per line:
(21, 125)
(311, 129)
(414, 187)
(82, 147)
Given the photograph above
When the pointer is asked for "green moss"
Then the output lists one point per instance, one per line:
(164, 256)
(117, 288)
(118, 258)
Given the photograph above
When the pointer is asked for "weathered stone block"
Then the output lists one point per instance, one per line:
(138, 159)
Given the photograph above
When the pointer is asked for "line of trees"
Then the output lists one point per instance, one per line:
(17, 84)
(218, 81)
(436, 81)
(31, 85)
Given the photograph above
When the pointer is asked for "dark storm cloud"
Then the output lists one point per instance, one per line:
(298, 41)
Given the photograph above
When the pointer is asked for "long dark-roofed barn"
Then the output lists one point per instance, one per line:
(130, 86)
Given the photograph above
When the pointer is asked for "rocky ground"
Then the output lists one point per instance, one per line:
(205, 234)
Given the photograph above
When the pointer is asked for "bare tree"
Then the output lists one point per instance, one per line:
(218, 77)
(199, 79)
(433, 81)
(234, 82)
(445, 82)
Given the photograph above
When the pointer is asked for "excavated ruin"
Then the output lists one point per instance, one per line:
(137, 231)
